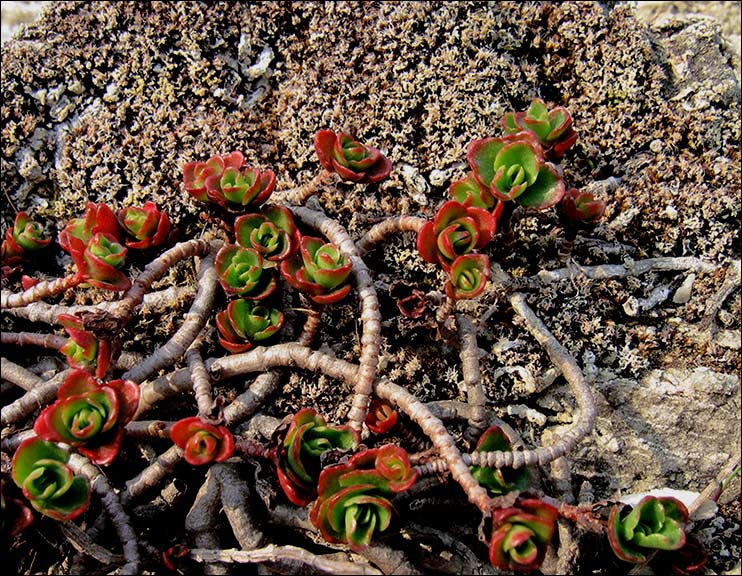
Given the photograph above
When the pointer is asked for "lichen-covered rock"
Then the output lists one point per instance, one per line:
(105, 102)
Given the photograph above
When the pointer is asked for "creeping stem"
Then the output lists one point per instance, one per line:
(195, 319)
(370, 315)
(472, 376)
(43, 289)
(134, 296)
(112, 504)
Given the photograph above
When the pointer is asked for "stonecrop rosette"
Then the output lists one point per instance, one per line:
(354, 499)
(468, 276)
(381, 416)
(581, 209)
(319, 271)
(512, 167)
(499, 481)
(98, 219)
(242, 273)
(303, 438)
(15, 515)
(553, 128)
(655, 523)
(469, 192)
(272, 232)
(521, 534)
(146, 224)
(40, 469)
(83, 350)
(456, 230)
(93, 243)
(25, 236)
(202, 442)
(353, 161)
(223, 181)
(195, 174)
(245, 323)
(89, 416)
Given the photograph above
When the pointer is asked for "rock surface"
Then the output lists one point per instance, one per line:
(106, 101)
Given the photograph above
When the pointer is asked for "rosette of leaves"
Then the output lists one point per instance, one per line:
(304, 438)
(351, 160)
(196, 174)
(512, 168)
(100, 263)
(655, 523)
(581, 210)
(98, 218)
(521, 534)
(690, 559)
(244, 323)
(90, 416)
(469, 192)
(319, 270)
(40, 469)
(146, 224)
(242, 272)
(468, 276)
(93, 243)
(381, 416)
(353, 503)
(271, 232)
(202, 442)
(25, 236)
(499, 481)
(83, 350)
(15, 516)
(553, 128)
(455, 231)
(236, 189)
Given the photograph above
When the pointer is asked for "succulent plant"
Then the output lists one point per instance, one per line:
(196, 174)
(237, 190)
(411, 302)
(381, 416)
(271, 232)
(100, 261)
(512, 167)
(244, 323)
(521, 534)
(93, 243)
(89, 416)
(98, 218)
(40, 469)
(202, 442)
(172, 556)
(456, 230)
(319, 270)
(83, 350)
(685, 561)
(499, 481)
(303, 438)
(353, 503)
(655, 523)
(242, 272)
(353, 161)
(25, 236)
(15, 515)
(581, 209)
(468, 276)
(553, 128)
(469, 192)
(147, 225)
(223, 181)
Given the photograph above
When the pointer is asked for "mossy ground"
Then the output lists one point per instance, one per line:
(105, 102)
